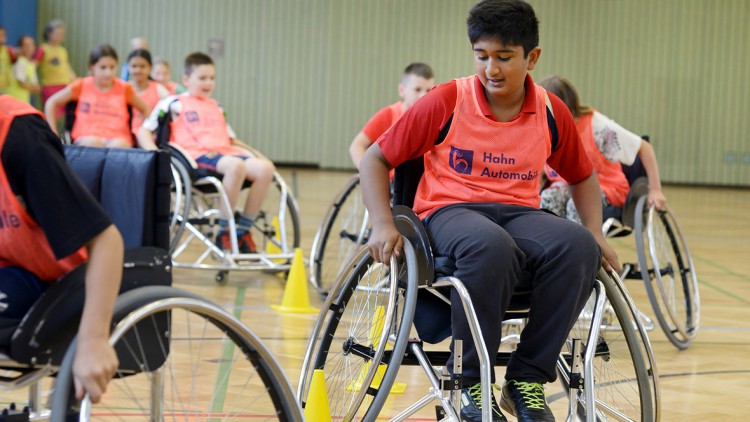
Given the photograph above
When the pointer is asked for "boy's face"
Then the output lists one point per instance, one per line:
(414, 87)
(201, 81)
(502, 68)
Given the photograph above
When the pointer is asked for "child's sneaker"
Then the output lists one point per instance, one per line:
(525, 400)
(471, 405)
(246, 243)
(222, 241)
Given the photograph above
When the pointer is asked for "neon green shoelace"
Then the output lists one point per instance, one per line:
(532, 393)
(475, 392)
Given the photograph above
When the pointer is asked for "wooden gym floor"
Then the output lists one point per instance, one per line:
(708, 381)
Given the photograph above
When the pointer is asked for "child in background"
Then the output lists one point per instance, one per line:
(137, 43)
(162, 74)
(102, 117)
(607, 145)
(25, 82)
(200, 127)
(6, 75)
(417, 80)
(55, 72)
(139, 65)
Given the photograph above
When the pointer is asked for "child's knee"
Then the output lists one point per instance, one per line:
(260, 169)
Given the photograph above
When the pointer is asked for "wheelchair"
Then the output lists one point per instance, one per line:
(344, 228)
(362, 337)
(180, 355)
(663, 259)
(198, 199)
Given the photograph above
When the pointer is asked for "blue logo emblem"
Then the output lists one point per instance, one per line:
(460, 160)
(191, 116)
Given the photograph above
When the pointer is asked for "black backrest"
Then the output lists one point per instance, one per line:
(133, 187)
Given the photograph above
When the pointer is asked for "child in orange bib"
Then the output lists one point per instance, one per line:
(479, 197)
(151, 92)
(101, 117)
(200, 127)
(607, 145)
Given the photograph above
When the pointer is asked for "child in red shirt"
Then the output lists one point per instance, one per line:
(479, 197)
(417, 80)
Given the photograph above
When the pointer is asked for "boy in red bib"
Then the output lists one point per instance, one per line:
(416, 81)
(200, 127)
(50, 224)
(479, 196)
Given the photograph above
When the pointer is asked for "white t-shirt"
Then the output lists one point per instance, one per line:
(616, 143)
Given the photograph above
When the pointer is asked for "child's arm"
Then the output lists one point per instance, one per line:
(384, 239)
(146, 139)
(141, 105)
(648, 158)
(95, 362)
(587, 197)
(358, 147)
(53, 103)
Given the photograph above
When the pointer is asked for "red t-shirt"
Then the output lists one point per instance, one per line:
(382, 120)
(414, 134)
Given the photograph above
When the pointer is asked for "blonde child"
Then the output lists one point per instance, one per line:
(199, 126)
(25, 82)
(162, 73)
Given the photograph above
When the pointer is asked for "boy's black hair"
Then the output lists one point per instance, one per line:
(194, 60)
(141, 52)
(512, 22)
(419, 69)
(101, 50)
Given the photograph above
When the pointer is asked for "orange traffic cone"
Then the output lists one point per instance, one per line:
(316, 408)
(296, 299)
(377, 327)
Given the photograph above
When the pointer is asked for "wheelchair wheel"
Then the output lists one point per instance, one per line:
(667, 270)
(624, 373)
(184, 358)
(180, 202)
(343, 230)
(277, 227)
(366, 318)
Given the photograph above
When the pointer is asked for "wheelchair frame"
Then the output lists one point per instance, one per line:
(387, 330)
(145, 310)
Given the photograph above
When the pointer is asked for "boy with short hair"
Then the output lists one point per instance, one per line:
(479, 197)
(416, 81)
(199, 126)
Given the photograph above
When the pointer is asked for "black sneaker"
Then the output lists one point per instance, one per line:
(471, 405)
(525, 400)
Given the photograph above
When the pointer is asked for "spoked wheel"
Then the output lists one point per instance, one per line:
(361, 335)
(182, 358)
(277, 227)
(623, 370)
(668, 272)
(180, 203)
(343, 230)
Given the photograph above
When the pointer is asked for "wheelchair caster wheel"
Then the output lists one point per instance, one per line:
(222, 277)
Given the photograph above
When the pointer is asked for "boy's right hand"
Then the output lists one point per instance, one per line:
(384, 241)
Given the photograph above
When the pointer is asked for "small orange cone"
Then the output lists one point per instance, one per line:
(316, 408)
(377, 328)
(296, 300)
